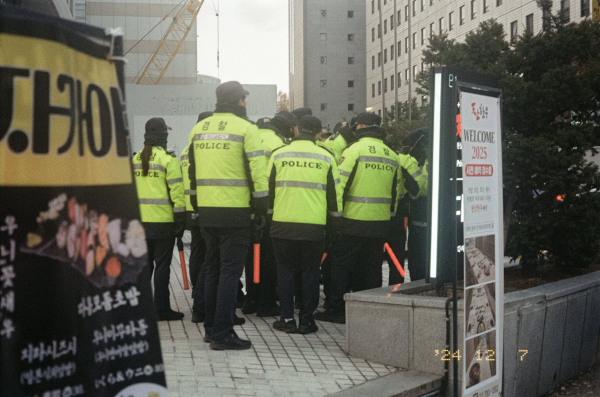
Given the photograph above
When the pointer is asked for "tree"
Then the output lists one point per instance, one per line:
(551, 92)
(398, 129)
(283, 102)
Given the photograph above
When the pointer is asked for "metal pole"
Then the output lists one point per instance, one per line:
(396, 22)
(410, 11)
(380, 32)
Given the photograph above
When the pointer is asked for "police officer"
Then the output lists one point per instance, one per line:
(408, 189)
(304, 187)
(231, 184)
(342, 137)
(301, 112)
(197, 246)
(369, 176)
(415, 144)
(262, 297)
(162, 208)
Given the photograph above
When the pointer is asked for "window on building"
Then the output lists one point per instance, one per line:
(323, 83)
(373, 62)
(451, 21)
(392, 83)
(585, 8)
(350, 107)
(379, 88)
(461, 15)
(414, 40)
(384, 2)
(407, 75)
(378, 4)
(392, 22)
(323, 13)
(379, 31)
(399, 17)
(323, 107)
(565, 8)
(350, 60)
(399, 82)
(422, 36)
(392, 52)
(350, 37)
(323, 36)
(473, 9)
(486, 6)
(498, 3)
(422, 66)
(372, 6)
(350, 83)
(399, 50)
(406, 13)
(385, 26)
(384, 85)
(441, 23)
(385, 56)
(414, 8)
(372, 34)
(323, 60)
(422, 5)
(406, 44)
(431, 29)
(373, 90)
(350, 14)
(529, 23)
(379, 112)
(546, 19)
(430, 2)
(379, 59)
(514, 32)
(414, 72)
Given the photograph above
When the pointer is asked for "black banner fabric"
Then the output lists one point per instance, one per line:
(76, 310)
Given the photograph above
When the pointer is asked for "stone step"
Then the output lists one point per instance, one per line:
(398, 384)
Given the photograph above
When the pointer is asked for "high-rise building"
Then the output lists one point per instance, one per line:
(57, 8)
(144, 27)
(327, 58)
(398, 32)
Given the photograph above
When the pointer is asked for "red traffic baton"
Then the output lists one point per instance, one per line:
(186, 285)
(256, 263)
(324, 257)
(394, 259)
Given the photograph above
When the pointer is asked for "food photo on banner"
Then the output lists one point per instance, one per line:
(76, 317)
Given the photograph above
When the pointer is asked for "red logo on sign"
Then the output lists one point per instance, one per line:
(480, 112)
(479, 170)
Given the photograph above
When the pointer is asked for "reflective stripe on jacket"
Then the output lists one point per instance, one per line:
(188, 192)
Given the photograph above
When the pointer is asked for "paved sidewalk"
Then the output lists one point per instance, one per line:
(278, 364)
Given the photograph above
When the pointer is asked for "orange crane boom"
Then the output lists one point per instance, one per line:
(171, 43)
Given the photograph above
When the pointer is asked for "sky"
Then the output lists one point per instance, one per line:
(253, 41)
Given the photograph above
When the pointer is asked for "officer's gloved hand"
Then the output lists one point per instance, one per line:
(334, 226)
(179, 218)
(410, 184)
(260, 206)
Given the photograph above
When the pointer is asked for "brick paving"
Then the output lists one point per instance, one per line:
(278, 364)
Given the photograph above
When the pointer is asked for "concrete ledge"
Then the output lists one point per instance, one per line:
(399, 384)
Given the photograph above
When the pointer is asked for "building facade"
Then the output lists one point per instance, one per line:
(398, 32)
(57, 8)
(144, 22)
(327, 58)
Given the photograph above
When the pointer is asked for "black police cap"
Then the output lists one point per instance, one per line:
(368, 119)
(287, 117)
(230, 92)
(301, 112)
(416, 136)
(310, 125)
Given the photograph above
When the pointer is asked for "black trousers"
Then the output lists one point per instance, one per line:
(197, 254)
(160, 251)
(226, 250)
(265, 292)
(397, 242)
(361, 256)
(417, 258)
(294, 256)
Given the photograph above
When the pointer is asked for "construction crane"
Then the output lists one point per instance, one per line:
(171, 43)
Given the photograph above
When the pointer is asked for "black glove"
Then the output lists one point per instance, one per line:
(179, 228)
(409, 183)
(334, 226)
(258, 227)
(260, 205)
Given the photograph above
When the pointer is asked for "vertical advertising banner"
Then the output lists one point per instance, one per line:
(480, 130)
(75, 317)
